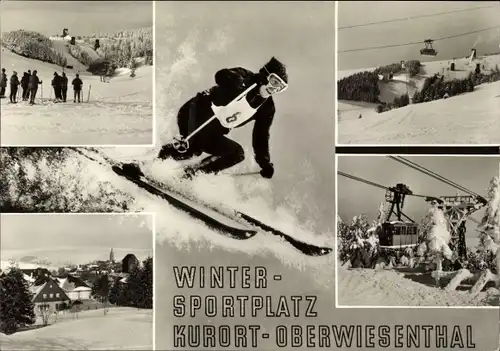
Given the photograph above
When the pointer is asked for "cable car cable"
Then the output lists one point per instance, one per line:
(417, 42)
(413, 17)
(458, 186)
(437, 176)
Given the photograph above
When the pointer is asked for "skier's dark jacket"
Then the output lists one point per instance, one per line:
(57, 81)
(230, 83)
(33, 81)
(25, 80)
(3, 80)
(14, 81)
(77, 84)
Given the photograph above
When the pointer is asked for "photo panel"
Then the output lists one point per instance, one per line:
(77, 73)
(88, 277)
(256, 265)
(418, 72)
(416, 249)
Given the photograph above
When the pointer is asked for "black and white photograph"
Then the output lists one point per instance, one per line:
(418, 231)
(418, 72)
(76, 282)
(77, 73)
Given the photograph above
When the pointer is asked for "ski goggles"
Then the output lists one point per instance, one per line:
(275, 84)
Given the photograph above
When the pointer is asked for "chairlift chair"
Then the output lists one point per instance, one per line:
(428, 50)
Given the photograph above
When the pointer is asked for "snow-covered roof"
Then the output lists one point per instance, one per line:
(82, 288)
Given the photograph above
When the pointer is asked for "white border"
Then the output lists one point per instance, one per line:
(337, 144)
(335, 241)
(138, 214)
(153, 102)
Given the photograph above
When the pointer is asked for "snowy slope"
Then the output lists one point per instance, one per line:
(470, 118)
(119, 112)
(121, 328)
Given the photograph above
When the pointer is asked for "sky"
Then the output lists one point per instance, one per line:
(356, 198)
(80, 17)
(75, 238)
(413, 30)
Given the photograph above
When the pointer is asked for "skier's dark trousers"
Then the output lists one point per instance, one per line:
(224, 152)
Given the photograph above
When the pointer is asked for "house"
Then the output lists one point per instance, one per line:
(75, 288)
(129, 262)
(49, 294)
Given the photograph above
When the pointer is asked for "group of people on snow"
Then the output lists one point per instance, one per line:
(60, 85)
(30, 82)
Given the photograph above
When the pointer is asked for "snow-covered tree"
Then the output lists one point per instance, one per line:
(490, 223)
(435, 235)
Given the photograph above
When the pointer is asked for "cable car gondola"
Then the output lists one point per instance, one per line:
(428, 50)
(397, 234)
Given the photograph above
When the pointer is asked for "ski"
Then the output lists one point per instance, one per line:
(210, 216)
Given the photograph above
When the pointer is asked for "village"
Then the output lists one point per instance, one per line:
(61, 294)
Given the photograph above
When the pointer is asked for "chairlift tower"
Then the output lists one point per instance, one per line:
(456, 210)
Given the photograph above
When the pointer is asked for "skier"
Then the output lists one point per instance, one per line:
(64, 87)
(24, 85)
(77, 87)
(57, 85)
(34, 81)
(14, 83)
(3, 84)
(257, 105)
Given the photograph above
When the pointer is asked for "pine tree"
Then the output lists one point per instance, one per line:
(16, 302)
(146, 277)
(133, 289)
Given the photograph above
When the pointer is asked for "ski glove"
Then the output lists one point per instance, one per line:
(267, 170)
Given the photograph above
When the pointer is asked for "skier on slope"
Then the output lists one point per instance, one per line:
(257, 105)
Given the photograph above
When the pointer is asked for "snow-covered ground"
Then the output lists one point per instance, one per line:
(117, 113)
(471, 118)
(369, 287)
(121, 329)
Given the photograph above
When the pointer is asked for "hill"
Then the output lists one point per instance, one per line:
(467, 118)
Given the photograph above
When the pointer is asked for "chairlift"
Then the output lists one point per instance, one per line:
(428, 50)
(398, 233)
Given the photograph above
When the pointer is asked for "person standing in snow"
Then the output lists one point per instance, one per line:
(64, 87)
(24, 85)
(257, 105)
(14, 83)
(34, 81)
(57, 85)
(77, 87)
(3, 83)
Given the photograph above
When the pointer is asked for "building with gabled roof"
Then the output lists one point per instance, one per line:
(49, 294)
(75, 288)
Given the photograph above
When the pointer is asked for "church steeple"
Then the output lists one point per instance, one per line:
(112, 256)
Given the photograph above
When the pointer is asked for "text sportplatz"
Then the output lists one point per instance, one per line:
(230, 306)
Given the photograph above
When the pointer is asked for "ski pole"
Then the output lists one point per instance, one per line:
(90, 88)
(182, 144)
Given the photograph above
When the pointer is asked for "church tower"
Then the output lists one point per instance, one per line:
(111, 256)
